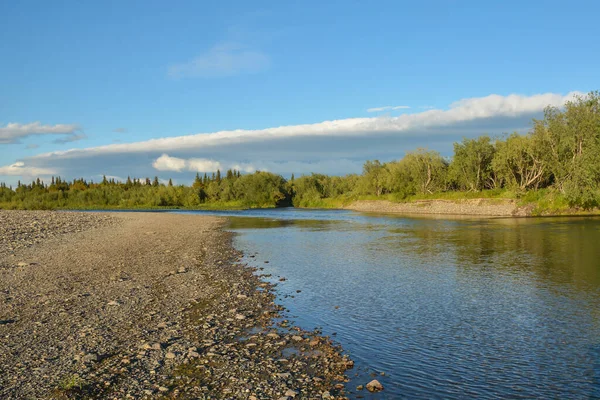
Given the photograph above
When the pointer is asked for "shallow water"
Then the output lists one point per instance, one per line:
(446, 308)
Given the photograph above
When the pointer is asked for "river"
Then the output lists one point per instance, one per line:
(440, 308)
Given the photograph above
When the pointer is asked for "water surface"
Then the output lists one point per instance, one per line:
(446, 308)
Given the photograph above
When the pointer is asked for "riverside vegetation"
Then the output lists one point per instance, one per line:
(555, 168)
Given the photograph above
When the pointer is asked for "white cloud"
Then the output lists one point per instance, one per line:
(13, 132)
(224, 59)
(317, 147)
(387, 108)
(475, 111)
(20, 169)
(175, 164)
(166, 163)
(202, 165)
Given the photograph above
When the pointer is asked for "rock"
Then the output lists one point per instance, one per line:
(91, 357)
(240, 316)
(291, 393)
(181, 270)
(374, 386)
(157, 346)
(163, 389)
(162, 325)
(112, 303)
(297, 338)
(22, 264)
(170, 355)
(360, 387)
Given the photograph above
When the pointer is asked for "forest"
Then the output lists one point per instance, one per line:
(557, 163)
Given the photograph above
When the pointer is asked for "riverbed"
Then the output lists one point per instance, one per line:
(440, 308)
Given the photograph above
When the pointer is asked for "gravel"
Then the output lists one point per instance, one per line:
(144, 305)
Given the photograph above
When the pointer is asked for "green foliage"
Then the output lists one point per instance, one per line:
(261, 189)
(519, 162)
(571, 143)
(471, 167)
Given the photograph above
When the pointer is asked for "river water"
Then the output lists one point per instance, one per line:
(444, 308)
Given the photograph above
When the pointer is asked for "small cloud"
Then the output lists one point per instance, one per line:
(120, 130)
(175, 164)
(387, 108)
(166, 163)
(225, 59)
(20, 169)
(32, 146)
(13, 132)
(70, 138)
(202, 165)
(426, 107)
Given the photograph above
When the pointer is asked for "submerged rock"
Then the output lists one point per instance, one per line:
(374, 386)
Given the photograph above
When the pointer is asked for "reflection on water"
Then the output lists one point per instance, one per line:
(496, 308)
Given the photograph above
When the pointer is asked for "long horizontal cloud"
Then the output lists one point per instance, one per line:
(13, 132)
(297, 148)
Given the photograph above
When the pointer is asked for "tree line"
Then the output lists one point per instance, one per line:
(560, 154)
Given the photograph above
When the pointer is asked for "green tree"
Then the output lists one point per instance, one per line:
(471, 167)
(571, 142)
(519, 162)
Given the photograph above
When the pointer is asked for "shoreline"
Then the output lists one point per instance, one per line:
(487, 208)
(466, 207)
(146, 305)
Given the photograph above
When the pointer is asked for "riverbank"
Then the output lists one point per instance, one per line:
(466, 207)
(143, 305)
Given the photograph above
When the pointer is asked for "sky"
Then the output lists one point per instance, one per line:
(150, 88)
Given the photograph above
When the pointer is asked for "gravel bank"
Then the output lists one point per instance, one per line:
(474, 207)
(21, 229)
(146, 305)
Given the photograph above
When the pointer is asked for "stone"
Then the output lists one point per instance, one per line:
(240, 316)
(291, 393)
(297, 338)
(22, 264)
(374, 386)
(112, 303)
(170, 355)
(360, 387)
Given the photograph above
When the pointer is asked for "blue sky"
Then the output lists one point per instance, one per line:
(102, 78)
